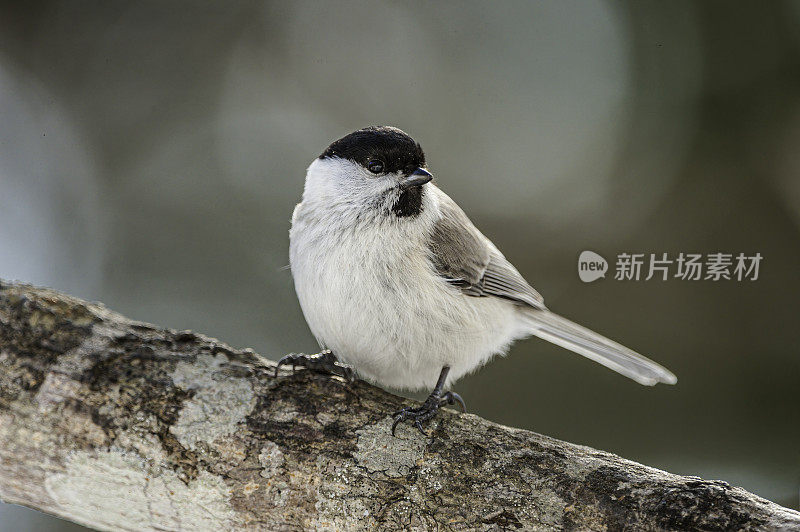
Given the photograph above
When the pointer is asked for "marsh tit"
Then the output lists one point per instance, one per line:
(399, 286)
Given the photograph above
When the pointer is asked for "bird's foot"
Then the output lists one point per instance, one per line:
(427, 411)
(323, 362)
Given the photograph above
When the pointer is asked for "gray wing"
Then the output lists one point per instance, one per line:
(467, 259)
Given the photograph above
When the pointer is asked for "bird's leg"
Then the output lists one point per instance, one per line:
(322, 362)
(435, 400)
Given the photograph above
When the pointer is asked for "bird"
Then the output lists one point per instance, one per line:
(402, 290)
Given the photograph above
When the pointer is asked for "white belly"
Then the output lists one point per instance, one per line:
(376, 302)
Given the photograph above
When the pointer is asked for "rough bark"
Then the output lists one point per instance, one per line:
(118, 424)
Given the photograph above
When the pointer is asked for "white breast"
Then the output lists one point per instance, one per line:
(369, 293)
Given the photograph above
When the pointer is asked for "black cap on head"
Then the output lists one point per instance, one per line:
(395, 149)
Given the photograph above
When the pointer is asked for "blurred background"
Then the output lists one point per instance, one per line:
(151, 154)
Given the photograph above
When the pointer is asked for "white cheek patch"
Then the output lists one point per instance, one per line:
(333, 181)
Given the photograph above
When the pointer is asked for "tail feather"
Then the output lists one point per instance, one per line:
(565, 333)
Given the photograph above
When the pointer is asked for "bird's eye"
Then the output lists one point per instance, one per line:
(374, 166)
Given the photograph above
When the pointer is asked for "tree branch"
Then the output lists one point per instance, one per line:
(117, 424)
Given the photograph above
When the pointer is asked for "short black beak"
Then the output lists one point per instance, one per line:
(418, 177)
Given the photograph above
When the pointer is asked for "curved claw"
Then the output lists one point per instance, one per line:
(407, 413)
(399, 417)
(348, 374)
(427, 411)
(453, 398)
(323, 362)
(285, 360)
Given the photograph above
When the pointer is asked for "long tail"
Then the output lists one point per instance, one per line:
(561, 331)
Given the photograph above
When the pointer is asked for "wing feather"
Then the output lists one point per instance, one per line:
(467, 259)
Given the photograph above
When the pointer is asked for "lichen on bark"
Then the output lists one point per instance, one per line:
(119, 424)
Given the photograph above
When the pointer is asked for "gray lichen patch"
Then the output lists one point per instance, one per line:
(271, 459)
(143, 443)
(336, 508)
(340, 514)
(378, 450)
(117, 490)
(55, 389)
(219, 404)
